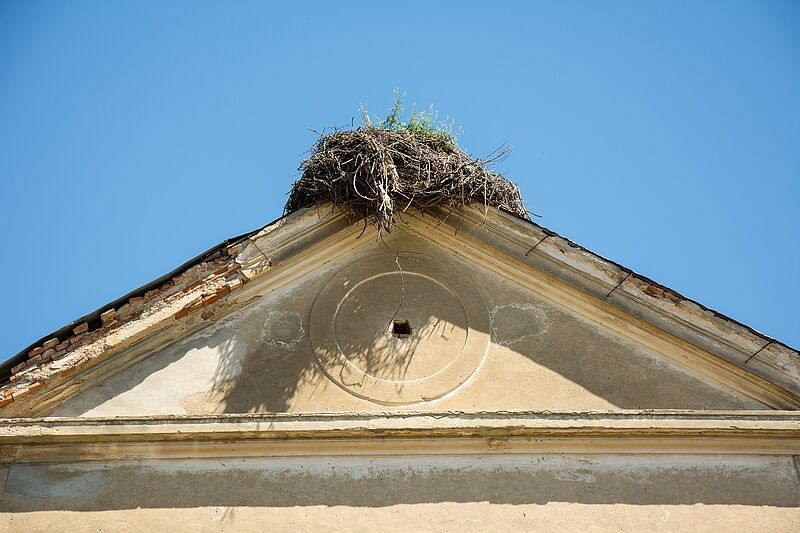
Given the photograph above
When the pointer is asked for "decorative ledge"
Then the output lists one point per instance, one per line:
(409, 433)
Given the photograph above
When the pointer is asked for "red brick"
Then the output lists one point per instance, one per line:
(107, 316)
(50, 344)
(191, 286)
(652, 290)
(36, 351)
(224, 291)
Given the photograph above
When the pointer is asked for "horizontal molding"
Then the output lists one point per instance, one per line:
(408, 433)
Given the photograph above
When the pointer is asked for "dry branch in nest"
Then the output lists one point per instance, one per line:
(372, 174)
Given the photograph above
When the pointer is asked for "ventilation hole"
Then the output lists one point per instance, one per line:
(401, 328)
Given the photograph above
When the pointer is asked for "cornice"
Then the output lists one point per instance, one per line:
(409, 433)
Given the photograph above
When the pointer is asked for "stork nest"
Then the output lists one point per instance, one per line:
(373, 174)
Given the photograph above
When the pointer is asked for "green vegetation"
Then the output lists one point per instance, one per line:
(424, 123)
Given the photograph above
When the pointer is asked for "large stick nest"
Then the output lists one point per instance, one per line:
(372, 175)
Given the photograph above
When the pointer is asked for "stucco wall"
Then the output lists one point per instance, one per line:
(471, 493)
(262, 358)
(322, 343)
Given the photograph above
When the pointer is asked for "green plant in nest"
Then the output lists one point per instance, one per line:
(423, 123)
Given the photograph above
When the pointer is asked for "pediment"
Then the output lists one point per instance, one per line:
(480, 312)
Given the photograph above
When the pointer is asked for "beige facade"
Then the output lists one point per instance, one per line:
(479, 373)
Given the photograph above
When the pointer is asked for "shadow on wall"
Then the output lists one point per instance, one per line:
(541, 333)
(275, 367)
(284, 360)
(286, 482)
(257, 360)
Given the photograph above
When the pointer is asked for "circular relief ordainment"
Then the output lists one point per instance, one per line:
(400, 329)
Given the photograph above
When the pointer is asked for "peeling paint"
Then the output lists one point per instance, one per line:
(282, 328)
(516, 322)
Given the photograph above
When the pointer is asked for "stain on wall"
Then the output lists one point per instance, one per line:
(260, 359)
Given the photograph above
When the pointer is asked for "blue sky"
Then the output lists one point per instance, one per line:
(134, 135)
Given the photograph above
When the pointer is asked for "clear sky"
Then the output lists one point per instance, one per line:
(135, 135)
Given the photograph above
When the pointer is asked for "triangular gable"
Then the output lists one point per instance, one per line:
(504, 315)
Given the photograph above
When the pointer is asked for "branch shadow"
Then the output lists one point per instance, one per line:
(264, 354)
(364, 346)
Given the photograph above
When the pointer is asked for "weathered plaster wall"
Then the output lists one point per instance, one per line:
(481, 492)
(261, 358)
(299, 347)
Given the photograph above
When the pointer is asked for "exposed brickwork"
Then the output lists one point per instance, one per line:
(50, 344)
(108, 316)
(200, 286)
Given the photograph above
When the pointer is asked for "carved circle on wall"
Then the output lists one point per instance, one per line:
(400, 334)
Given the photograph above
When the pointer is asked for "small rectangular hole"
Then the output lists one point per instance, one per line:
(401, 328)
